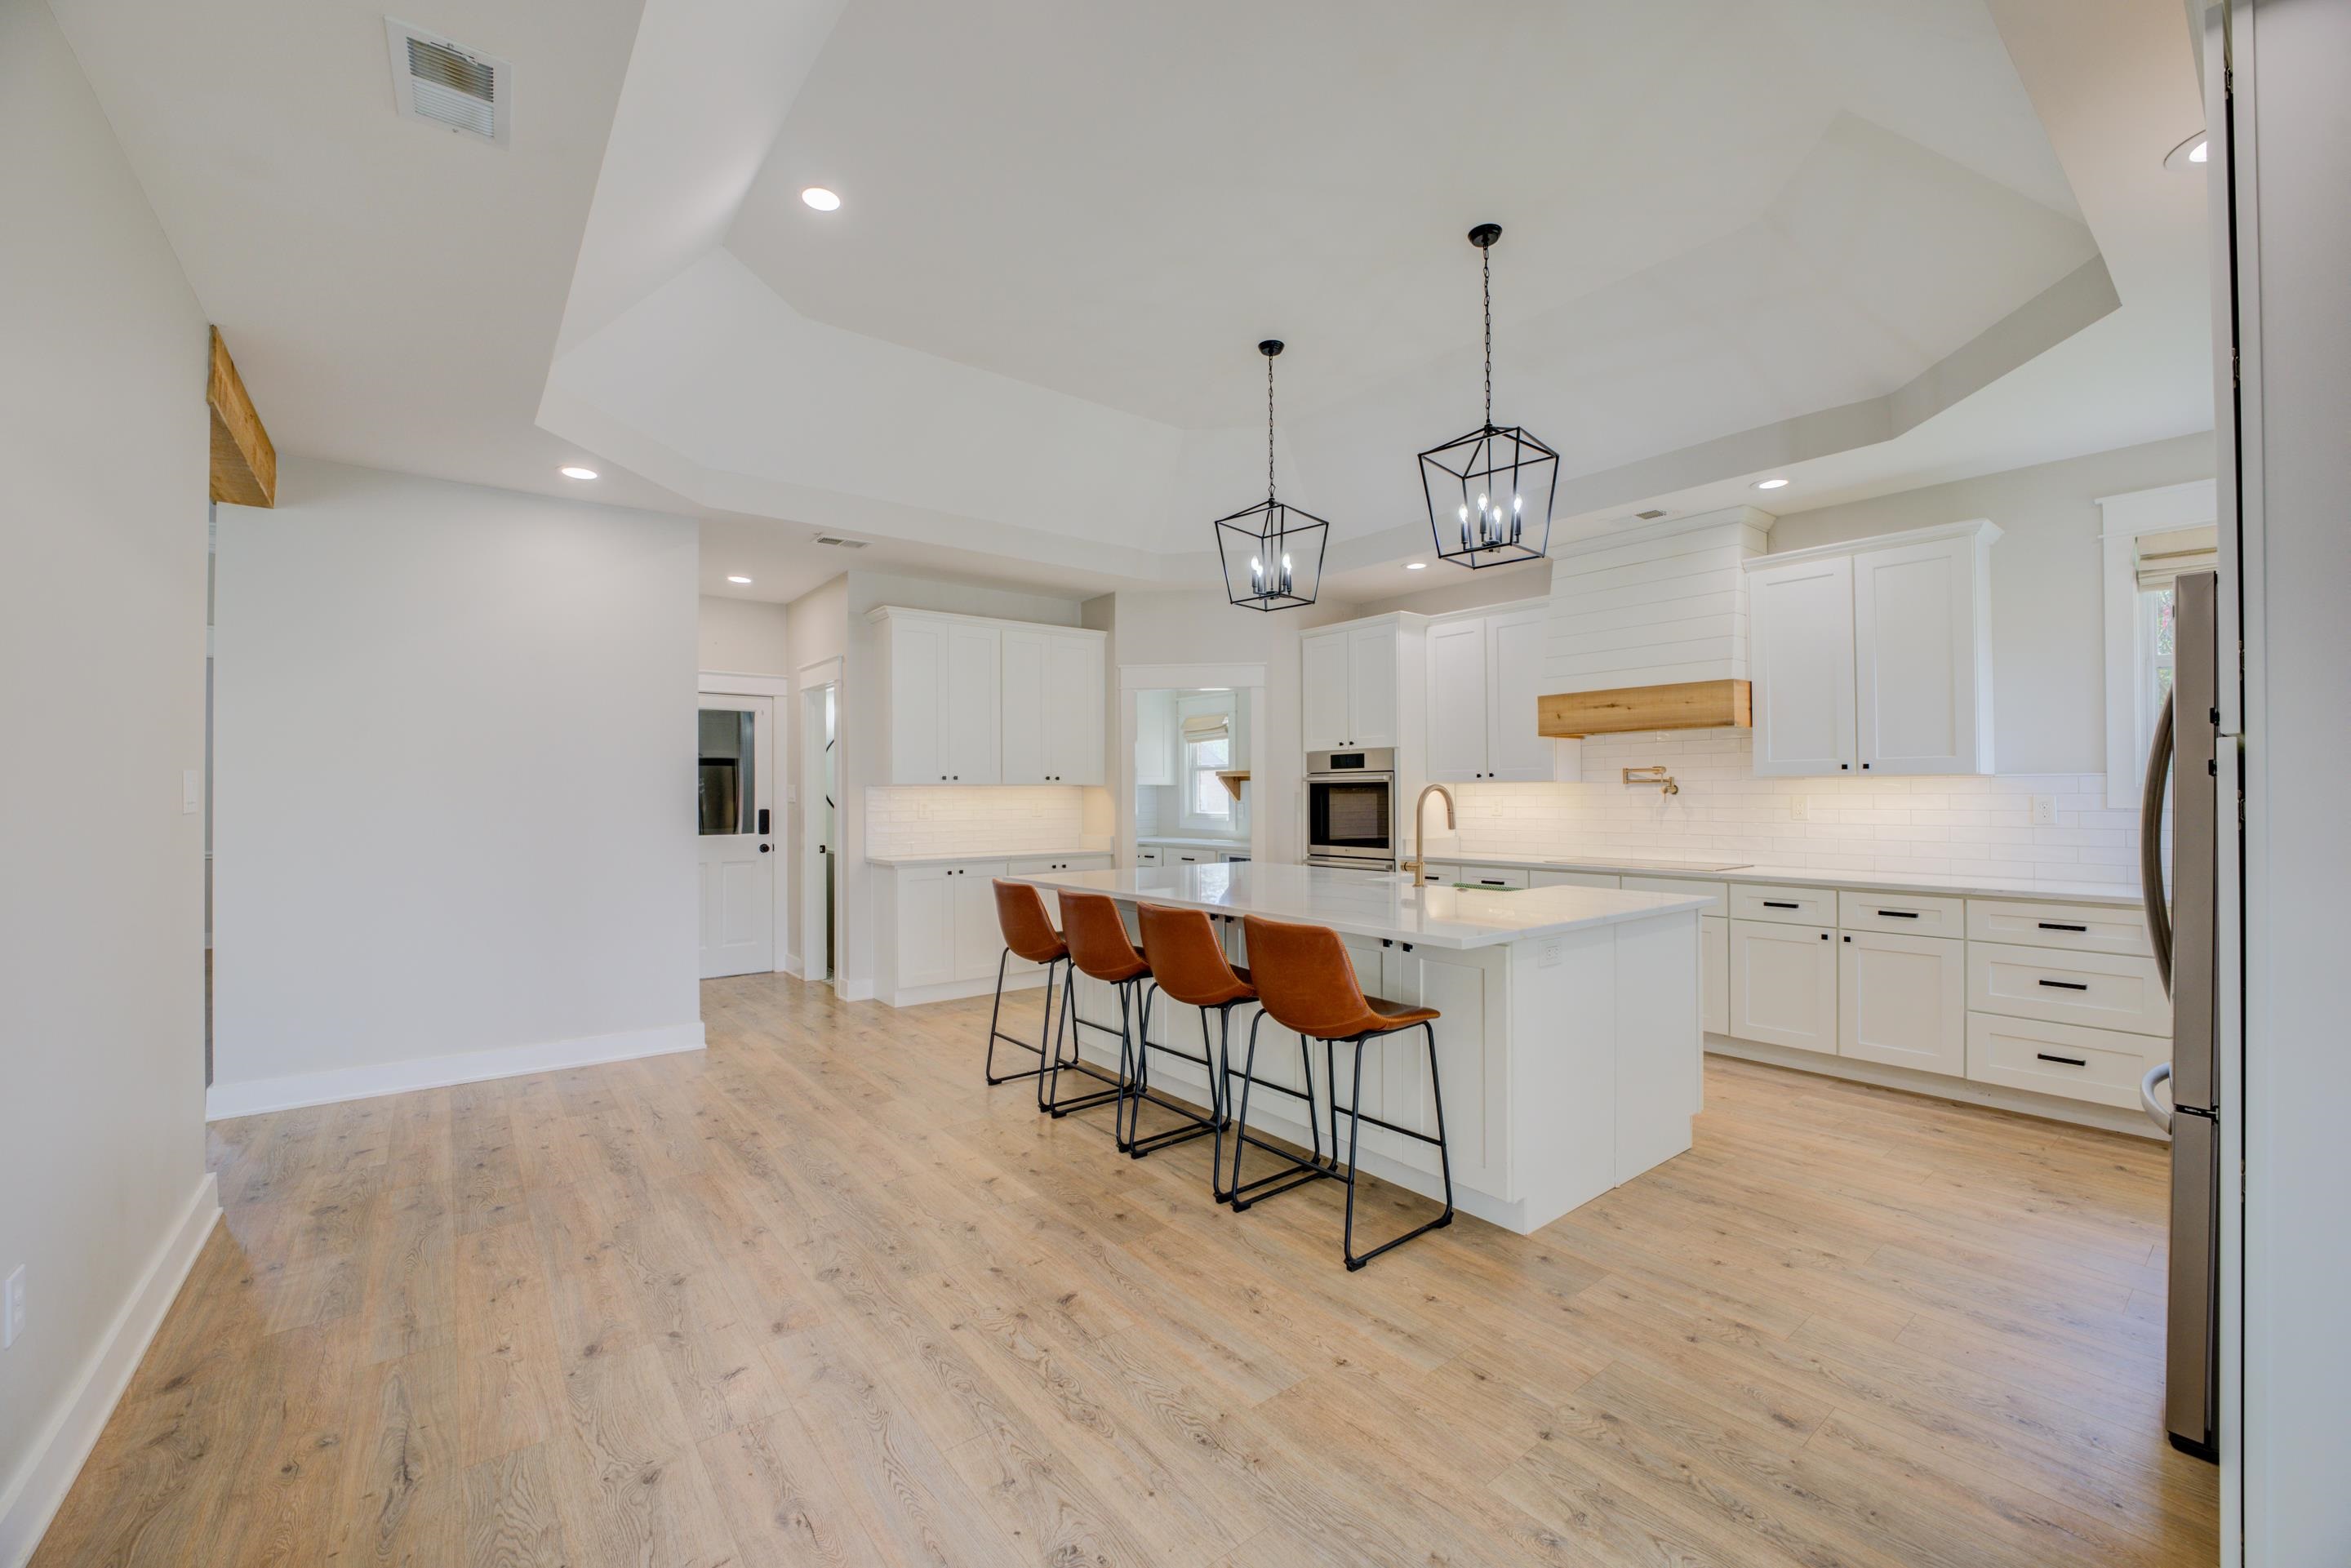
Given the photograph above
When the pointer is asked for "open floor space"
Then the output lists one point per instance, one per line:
(820, 1296)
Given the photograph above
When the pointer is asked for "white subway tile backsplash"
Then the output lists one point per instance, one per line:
(981, 820)
(1975, 825)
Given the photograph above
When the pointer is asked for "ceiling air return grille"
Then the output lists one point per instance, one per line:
(837, 542)
(444, 83)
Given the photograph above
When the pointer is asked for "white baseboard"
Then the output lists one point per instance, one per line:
(1966, 1090)
(257, 1095)
(32, 1499)
(857, 991)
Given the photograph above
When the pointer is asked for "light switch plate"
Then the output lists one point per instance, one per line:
(2045, 810)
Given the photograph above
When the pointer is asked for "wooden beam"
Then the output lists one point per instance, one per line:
(245, 464)
(1690, 705)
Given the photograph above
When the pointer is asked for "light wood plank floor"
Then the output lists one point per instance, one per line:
(818, 1296)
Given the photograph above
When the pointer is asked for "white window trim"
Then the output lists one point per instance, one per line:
(1232, 821)
(2128, 516)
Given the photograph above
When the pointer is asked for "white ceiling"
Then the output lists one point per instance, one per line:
(1866, 244)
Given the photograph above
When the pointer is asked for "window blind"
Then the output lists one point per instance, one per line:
(2162, 556)
(1205, 727)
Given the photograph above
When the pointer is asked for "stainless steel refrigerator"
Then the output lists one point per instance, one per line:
(2182, 912)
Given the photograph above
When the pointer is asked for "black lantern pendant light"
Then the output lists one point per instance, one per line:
(1490, 492)
(1272, 553)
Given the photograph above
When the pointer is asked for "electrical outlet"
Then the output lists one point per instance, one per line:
(1799, 808)
(12, 1308)
(2045, 810)
(1546, 957)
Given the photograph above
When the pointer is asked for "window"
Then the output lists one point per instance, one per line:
(2150, 537)
(1204, 731)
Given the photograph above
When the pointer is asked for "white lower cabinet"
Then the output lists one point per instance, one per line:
(1714, 974)
(2102, 1065)
(942, 919)
(2100, 991)
(1902, 1001)
(1783, 984)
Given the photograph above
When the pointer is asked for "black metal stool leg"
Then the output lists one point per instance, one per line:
(1444, 1154)
(1067, 1057)
(1294, 1172)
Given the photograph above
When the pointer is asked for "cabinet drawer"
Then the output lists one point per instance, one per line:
(2098, 989)
(1719, 892)
(1440, 874)
(1493, 876)
(1149, 856)
(1035, 864)
(1903, 914)
(2080, 927)
(2097, 1064)
(1569, 879)
(1790, 905)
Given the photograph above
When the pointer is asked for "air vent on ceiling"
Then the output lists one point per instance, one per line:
(839, 543)
(1650, 516)
(444, 83)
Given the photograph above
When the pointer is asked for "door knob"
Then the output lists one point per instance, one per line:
(766, 848)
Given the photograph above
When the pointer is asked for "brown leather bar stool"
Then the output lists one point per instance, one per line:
(1306, 982)
(1028, 932)
(1098, 948)
(1187, 963)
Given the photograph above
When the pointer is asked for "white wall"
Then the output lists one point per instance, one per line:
(104, 441)
(2297, 1067)
(2049, 671)
(743, 637)
(454, 749)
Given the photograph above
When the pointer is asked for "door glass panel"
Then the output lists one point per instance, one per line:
(729, 788)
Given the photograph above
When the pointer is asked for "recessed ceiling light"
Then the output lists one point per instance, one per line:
(2195, 149)
(1770, 484)
(822, 200)
(573, 471)
(1415, 566)
(742, 579)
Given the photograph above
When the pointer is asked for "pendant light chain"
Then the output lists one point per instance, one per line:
(1486, 257)
(1269, 435)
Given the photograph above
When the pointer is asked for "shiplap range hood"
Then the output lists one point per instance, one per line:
(1649, 628)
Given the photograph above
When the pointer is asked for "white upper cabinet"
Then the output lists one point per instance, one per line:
(1323, 708)
(1155, 737)
(1074, 686)
(1456, 701)
(1875, 656)
(1921, 672)
(1372, 685)
(1349, 695)
(988, 702)
(1484, 672)
(1800, 660)
(974, 703)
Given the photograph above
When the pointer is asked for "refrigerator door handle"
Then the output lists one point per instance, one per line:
(2148, 1102)
(2150, 844)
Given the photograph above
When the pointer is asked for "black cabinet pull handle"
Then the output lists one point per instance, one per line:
(2066, 1061)
(1825, 936)
(1491, 882)
(1899, 913)
(1848, 938)
(1778, 904)
(2065, 985)
(2060, 926)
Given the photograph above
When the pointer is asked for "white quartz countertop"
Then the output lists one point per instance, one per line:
(1375, 904)
(2118, 894)
(967, 856)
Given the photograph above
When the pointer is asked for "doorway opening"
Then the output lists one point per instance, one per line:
(819, 797)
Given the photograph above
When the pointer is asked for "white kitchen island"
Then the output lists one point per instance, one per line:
(1570, 1044)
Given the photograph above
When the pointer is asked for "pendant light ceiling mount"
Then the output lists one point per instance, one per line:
(1490, 492)
(1272, 552)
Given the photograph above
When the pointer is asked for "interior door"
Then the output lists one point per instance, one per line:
(735, 809)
